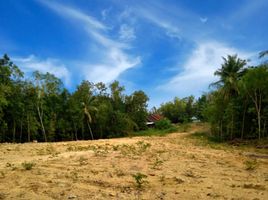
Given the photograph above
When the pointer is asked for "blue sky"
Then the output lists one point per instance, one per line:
(167, 48)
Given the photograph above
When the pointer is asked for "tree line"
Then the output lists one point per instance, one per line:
(237, 106)
(40, 108)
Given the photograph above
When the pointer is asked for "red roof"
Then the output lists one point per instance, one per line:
(154, 117)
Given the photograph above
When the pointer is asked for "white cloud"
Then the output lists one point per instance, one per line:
(198, 70)
(74, 14)
(170, 28)
(114, 58)
(53, 66)
(126, 33)
(113, 67)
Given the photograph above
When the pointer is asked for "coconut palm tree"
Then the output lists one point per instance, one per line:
(230, 73)
(263, 53)
(87, 109)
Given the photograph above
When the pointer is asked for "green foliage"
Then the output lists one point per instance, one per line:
(140, 179)
(43, 110)
(251, 164)
(238, 107)
(180, 110)
(27, 165)
(163, 124)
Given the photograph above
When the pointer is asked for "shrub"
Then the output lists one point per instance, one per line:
(163, 124)
(251, 164)
(139, 178)
(27, 165)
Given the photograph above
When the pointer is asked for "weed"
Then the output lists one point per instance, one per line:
(251, 164)
(115, 147)
(28, 165)
(100, 152)
(139, 179)
(119, 173)
(82, 160)
(143, 145)
(10, 165)
(157, 163)
(49, 150)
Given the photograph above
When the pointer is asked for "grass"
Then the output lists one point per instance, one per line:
(251, 164)
(206, 139)
(154, 132)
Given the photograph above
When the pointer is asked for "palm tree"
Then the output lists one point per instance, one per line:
(88, 115)
(263, 53)
(230, 72)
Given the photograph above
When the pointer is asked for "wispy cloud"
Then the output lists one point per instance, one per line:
(74, 14)
(171, 29)
(176, 21)
(115, 60)
(54, 66)
(126, 33)
(116, 63)
(197, 71)
(105, 13)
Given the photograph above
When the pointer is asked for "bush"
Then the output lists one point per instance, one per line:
(163, 124)
(27, 165)
(139, 178)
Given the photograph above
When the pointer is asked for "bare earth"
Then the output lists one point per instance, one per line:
(175, 166)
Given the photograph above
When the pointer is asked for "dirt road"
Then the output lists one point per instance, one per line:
(174, 168)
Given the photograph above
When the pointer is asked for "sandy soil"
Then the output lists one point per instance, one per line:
(175, 166)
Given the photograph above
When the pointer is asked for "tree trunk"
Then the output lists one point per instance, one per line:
(232, 128)
(90, 130)
(264, 128)
(75, 129)
(82, 130)
(20, 130)
(28, 129)
(42, 125)
(221, 131)
(257, 101)
(14, 132)
(243, 123)
(259, 125)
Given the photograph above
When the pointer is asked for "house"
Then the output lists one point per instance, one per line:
(195, 120)
(152, 118)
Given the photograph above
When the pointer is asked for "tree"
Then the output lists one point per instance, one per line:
(255, 84)
(136, 108)
(230, 73)
(47, 88)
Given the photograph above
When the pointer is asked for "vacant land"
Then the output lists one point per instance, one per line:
(176, 166)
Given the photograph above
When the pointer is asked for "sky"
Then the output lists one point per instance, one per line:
(166, 48)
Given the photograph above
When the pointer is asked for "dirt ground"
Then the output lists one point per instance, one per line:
(174, 167)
